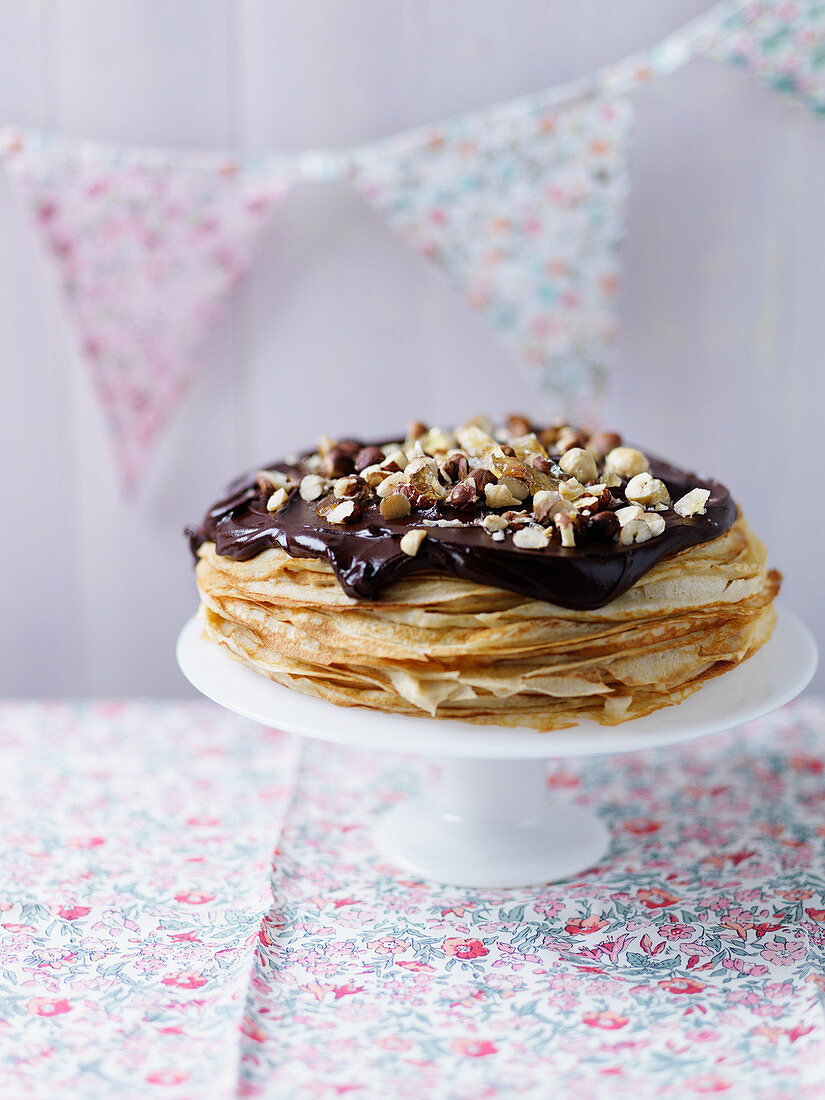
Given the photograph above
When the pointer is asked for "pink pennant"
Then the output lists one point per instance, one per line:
(147, 252)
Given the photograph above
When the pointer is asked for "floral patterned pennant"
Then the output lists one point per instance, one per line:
(147, 251)
(781, 43)
(526, 217)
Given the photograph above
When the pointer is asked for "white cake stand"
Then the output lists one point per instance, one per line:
(492, 821)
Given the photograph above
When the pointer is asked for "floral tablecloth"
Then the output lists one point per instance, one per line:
(152, 945)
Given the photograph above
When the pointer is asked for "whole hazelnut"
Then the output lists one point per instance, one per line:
(368, 456)
(518, 425)
(579, 463)
(602, 442)
(626, 462)
(603, 526)
(338, 461)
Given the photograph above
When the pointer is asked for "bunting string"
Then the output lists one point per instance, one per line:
(520, 204)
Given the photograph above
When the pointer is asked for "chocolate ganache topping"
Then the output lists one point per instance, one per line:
(554, 514)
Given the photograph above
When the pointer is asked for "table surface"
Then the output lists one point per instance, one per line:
(190, 907)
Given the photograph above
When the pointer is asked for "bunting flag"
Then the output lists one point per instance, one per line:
(520, 204)
(782, 44)
(526, 218)
(146, 255)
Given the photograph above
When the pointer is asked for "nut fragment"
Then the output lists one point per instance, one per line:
(494, 523)
(531, 538)
(482, 478)
(464, 496)
(270, 480)
(374, 475)
(628, 513)
(692, 503)
(390, 484)
(394, 461)
(570, 437)
(277, 500)
(415, 430)
(435, 441)
(565, 524)
(546, 503)
(519, 488)
(368, 456)
(545, 466)
(516, 519)
(455, 467)
(635, 530)
(345, 512)
(655, 522)
(579, 463)
(499, 496)
(588, 505)
(312, 487)
(395, 506)
(351, 487)
(411, 542)
(572, 489)
(646, 490)
(626, 462)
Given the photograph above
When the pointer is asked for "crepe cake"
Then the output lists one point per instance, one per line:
(510, 575)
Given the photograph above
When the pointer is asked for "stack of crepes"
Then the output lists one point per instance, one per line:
(444, 646)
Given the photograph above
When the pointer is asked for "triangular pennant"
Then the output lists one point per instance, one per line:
(781, 43)
(525, 215)
(147, 251)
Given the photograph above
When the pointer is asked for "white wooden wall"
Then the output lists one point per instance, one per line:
(341, 328)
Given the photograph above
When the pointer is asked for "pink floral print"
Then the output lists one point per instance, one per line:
(176, 956)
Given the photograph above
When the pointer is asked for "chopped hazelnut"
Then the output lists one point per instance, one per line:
(546, 503)
(270, 480)
(494, 523)
(566, 527)
(395, 506)
(635, 530)
(499, 496)
(374, 475)
(628, 513)
(626, 462)
(394, 461)
(482, 478)
(277, 500)
(579, 463)
(345, 512)
(519, 488)
(655, 522)
(390, 484)
(464, 496)
(692, 503)
(569, 438)
(646, 490)
(351, 487)
(531, 538)
(411, 542)
(455, 467)
(572, 489)
(416, 429)
(312, 487)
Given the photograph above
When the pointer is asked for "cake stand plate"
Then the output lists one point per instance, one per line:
(492, 821)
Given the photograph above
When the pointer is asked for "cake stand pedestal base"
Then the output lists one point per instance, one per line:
(490, 824)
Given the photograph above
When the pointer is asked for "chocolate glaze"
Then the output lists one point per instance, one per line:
(366, 556)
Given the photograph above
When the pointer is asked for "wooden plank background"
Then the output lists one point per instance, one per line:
(342, 328)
